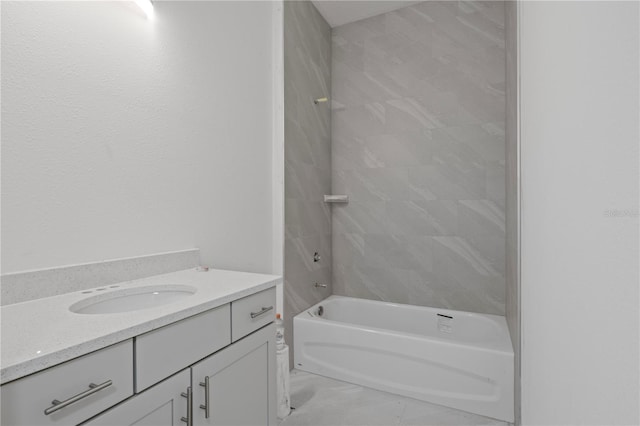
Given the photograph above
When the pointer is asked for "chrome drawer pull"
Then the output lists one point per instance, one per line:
(189, 395)
(262, 311)
(93, 388)
(205, 406)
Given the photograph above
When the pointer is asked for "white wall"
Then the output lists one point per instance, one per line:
(579, 141)
(124, 137)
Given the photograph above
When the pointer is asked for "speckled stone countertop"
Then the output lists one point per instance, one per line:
(41, 333)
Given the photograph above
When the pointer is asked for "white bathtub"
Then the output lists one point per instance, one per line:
(458, 359)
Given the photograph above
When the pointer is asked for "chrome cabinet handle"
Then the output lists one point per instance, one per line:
(189, 395)
(260, 312)
(205, 406)
(93, 388)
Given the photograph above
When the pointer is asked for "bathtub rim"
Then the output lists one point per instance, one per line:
(505, 346)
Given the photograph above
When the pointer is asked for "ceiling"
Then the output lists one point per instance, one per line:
(340, 12)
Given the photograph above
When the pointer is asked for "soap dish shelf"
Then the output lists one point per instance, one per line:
(336, 199)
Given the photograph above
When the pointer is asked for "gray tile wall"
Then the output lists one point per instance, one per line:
(307, 74)
(418, 144)
(512, 193)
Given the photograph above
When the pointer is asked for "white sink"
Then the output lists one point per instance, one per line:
(132, 299)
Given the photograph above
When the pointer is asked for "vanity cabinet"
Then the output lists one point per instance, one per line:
(214, 368)
(230, 388)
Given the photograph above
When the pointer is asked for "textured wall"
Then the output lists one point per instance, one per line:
(418, 145)
(124, 137)
(307, 73)
(512, 192)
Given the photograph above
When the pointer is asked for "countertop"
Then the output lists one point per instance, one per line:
(41, 333)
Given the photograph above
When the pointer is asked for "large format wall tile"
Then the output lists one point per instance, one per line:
(307, 73)
(418, 144)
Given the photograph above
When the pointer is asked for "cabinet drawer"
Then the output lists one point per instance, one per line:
(161, 404)
(252, 312)
(167, 350)
(29, 401)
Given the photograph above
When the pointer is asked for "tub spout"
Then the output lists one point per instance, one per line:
(316, 285)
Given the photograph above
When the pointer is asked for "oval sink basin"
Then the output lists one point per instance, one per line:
(132, 299)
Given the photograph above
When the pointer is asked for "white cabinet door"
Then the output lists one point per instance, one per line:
(160, 405)
(241, 383)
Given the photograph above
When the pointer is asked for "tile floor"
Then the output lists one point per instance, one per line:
(320, 401)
